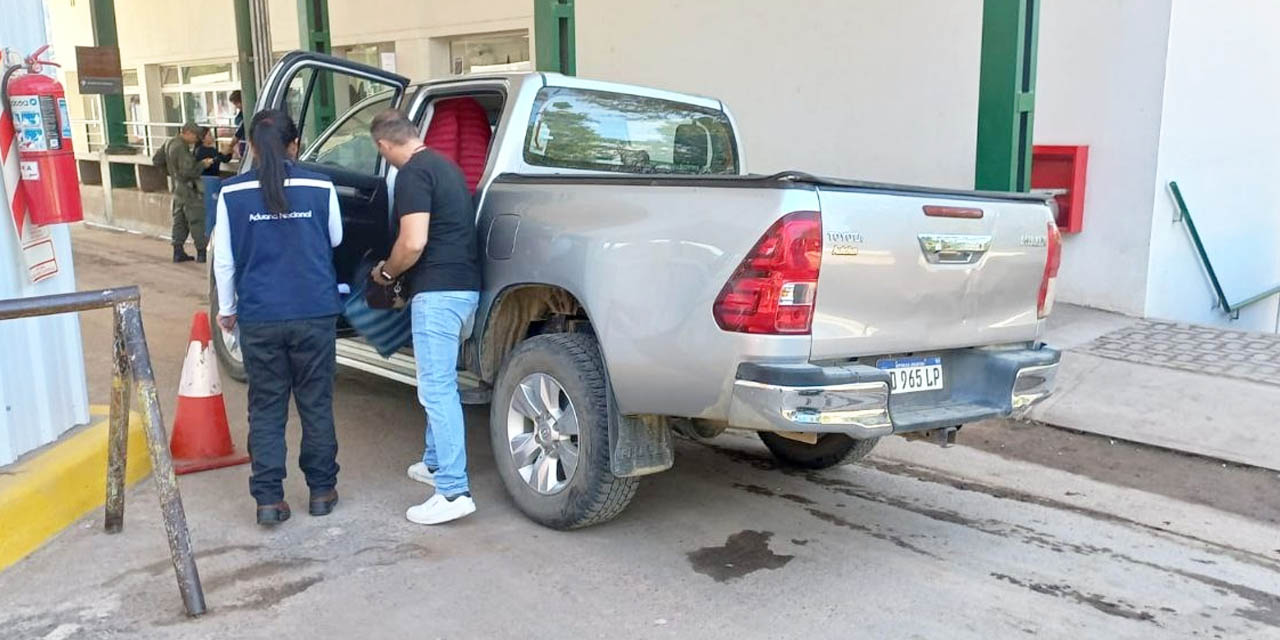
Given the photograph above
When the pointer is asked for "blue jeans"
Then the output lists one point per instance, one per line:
(438, 318)
(212, 185)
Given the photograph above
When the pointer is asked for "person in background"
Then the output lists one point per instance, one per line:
(273, 243)
(188, 204)
(211, 177)
(237, 140)
(435, 251)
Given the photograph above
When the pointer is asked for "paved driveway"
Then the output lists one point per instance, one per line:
(918, 542)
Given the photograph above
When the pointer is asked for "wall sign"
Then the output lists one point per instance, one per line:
(99, 70)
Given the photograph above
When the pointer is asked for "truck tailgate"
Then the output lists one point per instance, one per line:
(895, 279)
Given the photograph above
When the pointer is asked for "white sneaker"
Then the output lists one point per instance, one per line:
(438, 510)
(419, 471)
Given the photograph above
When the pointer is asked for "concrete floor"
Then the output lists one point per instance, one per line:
(918, 542)
(1203, 390)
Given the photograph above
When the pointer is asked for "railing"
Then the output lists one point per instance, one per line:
(1183, 214)
(94, 134)
(146, 137)
(132, 370)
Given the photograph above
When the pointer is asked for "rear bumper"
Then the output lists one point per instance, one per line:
(854, 399)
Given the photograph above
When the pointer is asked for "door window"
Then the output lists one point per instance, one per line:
(317, 97)
(348, 144)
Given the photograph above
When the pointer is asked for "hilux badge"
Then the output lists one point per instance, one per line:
(1032, 240)
(843, 243)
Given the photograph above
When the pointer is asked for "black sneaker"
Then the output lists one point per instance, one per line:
(322, 504)
(200, 257)
(273, 514)
(181, 256)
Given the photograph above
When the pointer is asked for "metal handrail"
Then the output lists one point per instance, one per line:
(149, 135)
(132, 370)
(1232, 308)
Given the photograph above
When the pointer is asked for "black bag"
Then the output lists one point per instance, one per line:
(382, 296)
(385, 296)
(161, 157)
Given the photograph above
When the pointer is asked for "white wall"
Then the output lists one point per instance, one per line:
(42, 381)
(1221, 143)
(1100, 82)
(874, 89)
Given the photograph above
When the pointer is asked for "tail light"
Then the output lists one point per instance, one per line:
(1053, 259)
(774, 288)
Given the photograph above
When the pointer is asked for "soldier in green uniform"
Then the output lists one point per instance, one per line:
(188, 202)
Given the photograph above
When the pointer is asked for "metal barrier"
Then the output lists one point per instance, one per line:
(1183, 214)
(132, 365)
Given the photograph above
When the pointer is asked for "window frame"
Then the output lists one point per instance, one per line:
(422, 106)
(182, 89)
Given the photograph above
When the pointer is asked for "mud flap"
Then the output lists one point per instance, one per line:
(639, 445)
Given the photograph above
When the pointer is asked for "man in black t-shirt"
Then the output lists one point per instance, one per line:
(435, 252)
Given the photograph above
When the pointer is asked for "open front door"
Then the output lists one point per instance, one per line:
(333, 101)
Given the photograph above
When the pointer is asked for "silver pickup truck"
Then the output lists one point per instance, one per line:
(639, 282)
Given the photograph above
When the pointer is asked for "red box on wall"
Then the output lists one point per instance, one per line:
(1062, 167)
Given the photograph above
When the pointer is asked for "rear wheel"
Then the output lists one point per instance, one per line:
(549, 426)
(226, 345)
(830, 450)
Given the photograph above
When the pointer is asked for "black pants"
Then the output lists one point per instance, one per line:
(281, 357)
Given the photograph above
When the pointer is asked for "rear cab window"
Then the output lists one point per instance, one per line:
(626, 133)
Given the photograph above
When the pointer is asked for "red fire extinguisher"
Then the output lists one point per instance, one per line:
(43, 130)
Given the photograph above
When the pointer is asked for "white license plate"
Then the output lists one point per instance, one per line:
(908, 375)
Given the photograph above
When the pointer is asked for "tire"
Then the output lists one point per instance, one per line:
(588, 493)
(229, 361)
(832, 449)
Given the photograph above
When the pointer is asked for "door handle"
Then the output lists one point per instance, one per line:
(946, 248)
(346, 191)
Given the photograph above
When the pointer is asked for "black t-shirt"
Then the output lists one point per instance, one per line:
(430, 183)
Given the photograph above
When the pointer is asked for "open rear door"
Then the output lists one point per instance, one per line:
(333, 101)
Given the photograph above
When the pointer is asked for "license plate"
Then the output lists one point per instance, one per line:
(908, 375)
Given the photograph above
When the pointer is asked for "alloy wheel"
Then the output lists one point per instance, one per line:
(542, 433)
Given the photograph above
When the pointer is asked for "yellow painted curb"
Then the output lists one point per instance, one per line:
(43, 495)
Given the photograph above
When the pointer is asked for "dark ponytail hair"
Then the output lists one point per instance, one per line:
(271, 132)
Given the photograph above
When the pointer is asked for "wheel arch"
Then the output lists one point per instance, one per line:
(519, 309)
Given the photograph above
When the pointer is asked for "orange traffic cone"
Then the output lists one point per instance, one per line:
(201, 439)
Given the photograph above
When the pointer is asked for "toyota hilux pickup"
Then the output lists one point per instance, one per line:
(639, 282)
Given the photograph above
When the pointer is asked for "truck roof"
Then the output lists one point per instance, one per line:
(543, 78)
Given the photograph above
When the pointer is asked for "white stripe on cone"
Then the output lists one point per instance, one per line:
(200, 372)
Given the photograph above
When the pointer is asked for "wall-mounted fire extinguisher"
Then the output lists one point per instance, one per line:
(48, 164)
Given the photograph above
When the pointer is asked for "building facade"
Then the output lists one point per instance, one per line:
(886, 90)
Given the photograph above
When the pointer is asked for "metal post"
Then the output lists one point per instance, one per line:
(116, 138)
(246, 61)
(175, 518)
(1006, 94)
(118, 429)
(313, 35)
(554, 37)
(130, 338)
(107, 172)
(260, 18)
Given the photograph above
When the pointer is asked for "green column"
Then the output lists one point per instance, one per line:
(1006, 94)
(554, 40)
(103, 16)
(244, 60)
(313, 34)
